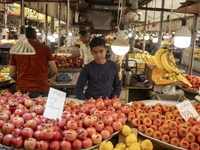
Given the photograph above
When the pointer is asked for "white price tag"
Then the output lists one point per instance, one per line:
(55, 104)
(187, 110)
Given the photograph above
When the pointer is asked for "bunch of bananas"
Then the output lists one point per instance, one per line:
(5, 70)
(145, 57)
(164, 59)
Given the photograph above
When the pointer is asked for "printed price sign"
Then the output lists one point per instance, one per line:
(187, 110)
(55, 104)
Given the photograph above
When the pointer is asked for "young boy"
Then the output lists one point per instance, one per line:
(101, 74)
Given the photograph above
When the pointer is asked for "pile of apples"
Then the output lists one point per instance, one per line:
(165, 123)
(195, 81)
(68, 62)
(22, 124)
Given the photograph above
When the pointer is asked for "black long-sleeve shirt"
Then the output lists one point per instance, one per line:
(103, 80)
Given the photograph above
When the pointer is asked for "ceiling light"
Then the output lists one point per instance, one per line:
(130, 35)
(182, 37)
(155, 40)
(22, 47)
(120, 45)
(146, 37)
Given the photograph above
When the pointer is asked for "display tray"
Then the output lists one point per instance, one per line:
(187, 90)
(159, 142)
(154, 102)
(2, 147)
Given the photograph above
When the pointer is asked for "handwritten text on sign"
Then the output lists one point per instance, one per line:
(55, 104)
(187, 110)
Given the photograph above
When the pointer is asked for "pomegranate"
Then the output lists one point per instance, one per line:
(121, 115)
(77, 144)
(93, 110)
(28, 103)
(80, 123)
(70, 135)
(7, 94)
(17, 142)
(8, 112)
(117, 105)
(87, 143)
(39, 109)
(107, 101)
(96, 138)
(114, 116)
(72, 125)
(18, 121)
(122, 120)
(110, 129)
(57, 136)
(30, 144)
(76, 109)
(125, 110)
(40, 100)
(62, 123)
(99, 99)
(1, 136)
(7, 139)
(104, 112)
(90, 131)
(65, 145)
(92, 100)
(47, 134)
(95, 118)
(71, 116)
(81, 133)
(100, 105)
(84, 109)
(115, 99)
(27, 133)
(38, 135)
(67, 108)
(19, 112)
(72, 104)
(31, 124)
(42, 145)
(88, 121)
(108, 120)
(1, 123)
(99, 126)
(4, 116)
(8, 128)
(90, 105)
(2, 101)
(105, 134)
(97, 113)
(81, 116)
(27, 116)
(17, 132)
(117, 125)
(54, 145)
(18, 94)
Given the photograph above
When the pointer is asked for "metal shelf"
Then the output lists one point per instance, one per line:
(192, 9)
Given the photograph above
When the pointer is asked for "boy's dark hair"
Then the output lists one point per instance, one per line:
(83, 33)
(30, 33)
(97, 41)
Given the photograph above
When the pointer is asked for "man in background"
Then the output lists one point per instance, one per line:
(30, 71)
(85, 52)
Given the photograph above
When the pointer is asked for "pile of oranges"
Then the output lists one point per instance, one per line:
(165, 123)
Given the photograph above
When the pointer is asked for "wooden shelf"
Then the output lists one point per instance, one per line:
(192, 9)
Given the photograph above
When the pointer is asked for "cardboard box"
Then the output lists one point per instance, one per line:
(149, 67)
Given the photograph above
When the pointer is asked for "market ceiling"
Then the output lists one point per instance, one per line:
(140, 2)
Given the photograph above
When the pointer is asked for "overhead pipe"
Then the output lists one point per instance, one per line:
(161, 25)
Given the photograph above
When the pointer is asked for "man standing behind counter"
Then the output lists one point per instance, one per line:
(101, 74)
(85, 52)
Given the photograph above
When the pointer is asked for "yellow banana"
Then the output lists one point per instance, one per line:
(158, 58)
(166, 63)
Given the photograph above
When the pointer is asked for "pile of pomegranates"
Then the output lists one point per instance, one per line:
(22, 124)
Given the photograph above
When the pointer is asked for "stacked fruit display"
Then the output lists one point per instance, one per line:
(164, 59)
(164, 122)
(145, 57)
(68, 62)
(2, 77)
(195, 81)
(22, 124)
(5, 70)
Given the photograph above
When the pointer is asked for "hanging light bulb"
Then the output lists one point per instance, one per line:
(155, 40)
(120, 45)
(182, 37)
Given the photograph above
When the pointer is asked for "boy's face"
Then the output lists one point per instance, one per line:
(99, 54)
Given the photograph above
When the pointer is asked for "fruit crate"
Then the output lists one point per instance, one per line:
(149, 67)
